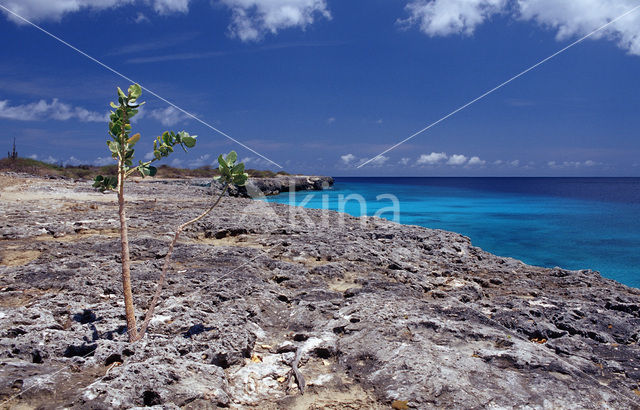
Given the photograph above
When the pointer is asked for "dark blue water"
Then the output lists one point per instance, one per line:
(574, 223)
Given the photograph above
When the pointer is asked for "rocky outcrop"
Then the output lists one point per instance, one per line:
(257, 187)
(376, 314)
(261, 187)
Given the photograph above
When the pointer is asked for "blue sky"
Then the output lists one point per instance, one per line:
(319, 86)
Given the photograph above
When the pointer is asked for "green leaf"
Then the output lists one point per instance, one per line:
(135, 91)
(153, 171)
(238, 169)
(115, 128)
(231, 157)
(189, 141)
(113, 105)
(105, 183)
(224, 168)
(113, 146)
(121, 95)
(240, 179)
(144, 170)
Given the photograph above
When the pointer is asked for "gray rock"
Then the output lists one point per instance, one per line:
(379, 311)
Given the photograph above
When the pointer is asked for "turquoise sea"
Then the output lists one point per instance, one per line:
(574, 223)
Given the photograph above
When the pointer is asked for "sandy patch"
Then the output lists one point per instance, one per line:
(14, 257)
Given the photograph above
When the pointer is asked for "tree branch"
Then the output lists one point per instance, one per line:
(167, 260)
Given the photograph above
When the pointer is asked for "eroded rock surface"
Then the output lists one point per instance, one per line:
(378, 313)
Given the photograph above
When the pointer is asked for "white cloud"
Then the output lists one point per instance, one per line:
(348, 158)
(200, 161)
(573, 164)
(476, 161)
(570, 19)
(141, 18)
(376, 161)
(73, 161)
(54, 10)
(252, 19)
(168, 116)
(256, 161)
(498, 162)
(177, 162)
(457, 159)
(39, 10)
(170, 6)
(432, 159)
(43, 110)
(331, 120)
(50, 160)
(445, 17)
(101, 161)
(580, 17)
(515, 163)
(404, 161)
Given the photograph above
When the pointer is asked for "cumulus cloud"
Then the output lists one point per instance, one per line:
(404, 161)
(169, 116)
(377, 161)
(515, 163)
(42, 110)
(201, 161)
(348, 158)
(569, 19)
(101, 161)
(580, 17)
(54, 10)
(141, 18)
(457, 159)
(50, 160)
(445, 17)
(331, 120)
(39, 10)
(170, 6)
(252, 19)
(476, 161)
(431, 159)
(572, 164)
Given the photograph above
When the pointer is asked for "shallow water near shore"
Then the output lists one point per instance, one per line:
(574, 223)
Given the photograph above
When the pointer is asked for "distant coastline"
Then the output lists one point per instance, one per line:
(574, 223)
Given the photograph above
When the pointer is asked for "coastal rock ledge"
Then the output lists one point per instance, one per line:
(257, 187)
(371, 314)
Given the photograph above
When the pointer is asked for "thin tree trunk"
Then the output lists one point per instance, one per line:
(129, 309)
(126, 270)
(167, 261)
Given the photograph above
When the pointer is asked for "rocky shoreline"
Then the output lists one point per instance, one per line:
(370, 313)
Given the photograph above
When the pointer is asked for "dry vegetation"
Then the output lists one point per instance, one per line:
(43, 169)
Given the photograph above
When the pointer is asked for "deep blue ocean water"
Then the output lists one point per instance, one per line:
(574, 223)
